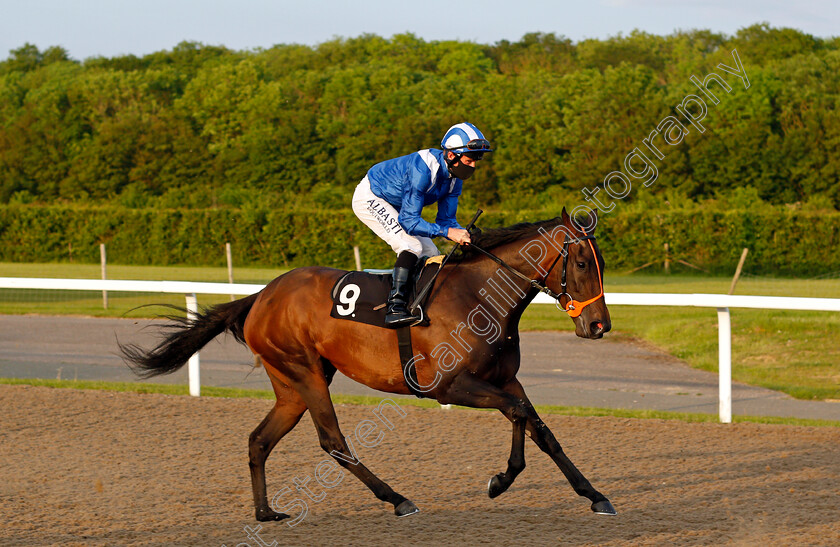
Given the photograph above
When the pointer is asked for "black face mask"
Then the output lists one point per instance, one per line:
(462, 171)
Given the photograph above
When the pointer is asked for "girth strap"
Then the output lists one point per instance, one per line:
(406, 355)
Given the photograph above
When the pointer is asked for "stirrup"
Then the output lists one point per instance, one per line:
(408, 321)
(403, 321)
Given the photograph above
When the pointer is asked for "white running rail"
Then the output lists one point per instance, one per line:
(722, 302)
(188, 288)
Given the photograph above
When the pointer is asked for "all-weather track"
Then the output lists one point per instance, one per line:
(558, 368)
(104, 468)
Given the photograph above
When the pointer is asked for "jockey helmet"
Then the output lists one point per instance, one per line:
(465, 138)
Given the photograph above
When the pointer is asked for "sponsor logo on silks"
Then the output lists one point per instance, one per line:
(381, 214)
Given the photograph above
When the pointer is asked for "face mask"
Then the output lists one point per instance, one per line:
(462, 171)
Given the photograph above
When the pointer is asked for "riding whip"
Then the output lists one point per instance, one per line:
(428, 286)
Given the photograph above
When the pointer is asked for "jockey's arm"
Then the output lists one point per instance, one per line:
(415, 225)
(447, 207)
(413, 201)
(411, 220)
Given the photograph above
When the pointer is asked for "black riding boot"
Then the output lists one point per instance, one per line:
(397, 314)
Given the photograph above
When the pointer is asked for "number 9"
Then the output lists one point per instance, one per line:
(348, 296)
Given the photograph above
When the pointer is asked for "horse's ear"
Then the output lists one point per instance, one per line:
(593, 219)
(564, 216)
(583, 222)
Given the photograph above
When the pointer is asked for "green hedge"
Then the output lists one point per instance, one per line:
(782, 242)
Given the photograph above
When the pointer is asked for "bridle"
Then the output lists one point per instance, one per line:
(572, 307)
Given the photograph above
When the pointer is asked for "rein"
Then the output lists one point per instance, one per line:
(573, 307)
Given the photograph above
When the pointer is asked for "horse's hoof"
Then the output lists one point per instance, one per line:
(267, 515)
(495, 487)
(603, 507)
(406, 508)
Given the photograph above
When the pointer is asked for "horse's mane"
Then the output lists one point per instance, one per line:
(494, 237)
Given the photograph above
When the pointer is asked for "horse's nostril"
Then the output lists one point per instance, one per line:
(596, 328)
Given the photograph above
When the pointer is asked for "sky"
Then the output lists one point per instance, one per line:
(108, 28)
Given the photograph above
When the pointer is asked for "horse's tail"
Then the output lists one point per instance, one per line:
(184, 337)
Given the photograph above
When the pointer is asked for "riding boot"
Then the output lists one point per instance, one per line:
(397, 314)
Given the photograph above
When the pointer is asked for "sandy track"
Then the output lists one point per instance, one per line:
(95, 468)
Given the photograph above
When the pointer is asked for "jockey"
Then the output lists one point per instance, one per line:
(390, 198)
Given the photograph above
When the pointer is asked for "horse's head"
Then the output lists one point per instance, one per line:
(581, 278)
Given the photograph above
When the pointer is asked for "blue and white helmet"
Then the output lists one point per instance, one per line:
(465, 137)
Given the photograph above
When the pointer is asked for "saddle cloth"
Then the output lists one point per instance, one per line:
(361, 296)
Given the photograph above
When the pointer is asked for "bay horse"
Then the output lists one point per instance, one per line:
(468, 355)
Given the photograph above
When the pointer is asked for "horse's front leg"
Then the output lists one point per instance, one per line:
(466, 390)
(543, 437)
(516, 462)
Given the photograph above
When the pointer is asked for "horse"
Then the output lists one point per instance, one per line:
(468, 355)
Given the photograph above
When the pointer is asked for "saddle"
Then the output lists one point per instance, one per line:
(362, 296)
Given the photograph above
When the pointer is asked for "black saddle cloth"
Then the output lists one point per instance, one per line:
(361, 296)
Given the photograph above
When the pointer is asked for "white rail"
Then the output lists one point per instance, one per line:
(722, 302)
(178, 287)
(188, 288)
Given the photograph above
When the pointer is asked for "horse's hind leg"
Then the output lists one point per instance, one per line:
(280, 420)
(315, 393)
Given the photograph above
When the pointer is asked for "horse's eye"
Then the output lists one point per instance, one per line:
(581, 265)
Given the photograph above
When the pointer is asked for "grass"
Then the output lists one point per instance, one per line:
(171, 389)
(120, 304)
(795, 352)
(169, 273)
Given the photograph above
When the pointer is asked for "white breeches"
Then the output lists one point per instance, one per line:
(381, 217)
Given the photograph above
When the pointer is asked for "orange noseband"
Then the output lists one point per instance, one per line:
(573, 307)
